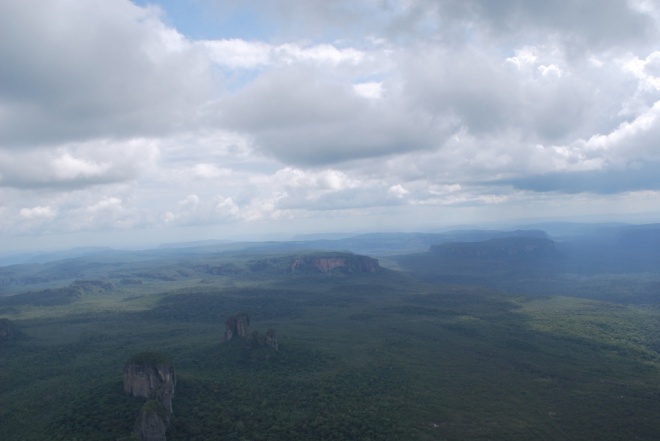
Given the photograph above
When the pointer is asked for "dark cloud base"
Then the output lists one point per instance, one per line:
(642, 178)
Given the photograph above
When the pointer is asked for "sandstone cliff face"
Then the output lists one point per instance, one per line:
(150, 375)
(152, 423)
(237, 325)
(348, 264)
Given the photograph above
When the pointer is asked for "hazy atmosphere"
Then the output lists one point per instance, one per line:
(128, 122)
(329, 220)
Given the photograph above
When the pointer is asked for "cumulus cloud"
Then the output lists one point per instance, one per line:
(579, 25)
(106, 212)
(303, 117)
(370, 89)
(193, 210)
(111, 117)
(225, 207)
(37, 213)
(76, 165)
(242, 54)
(187, 211)
(398, 191)
(85, 69)
(294, 179)
(210, 171)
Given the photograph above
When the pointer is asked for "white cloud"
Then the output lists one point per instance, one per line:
(397, 191)
(322, 53)
(242, 54)
(630, 141)
(226, 207)
(304, 117)
(106, 204)
(551, 70)
(190, 202)
(210, 171)
(75, 70)
(236, 53)
(66, 167)
(38, 213)
(112, 119)
(647, 71)
(370, 89)
(524, 56)
(188, 211)
(324, 180)
(105, 212)
(77, 165)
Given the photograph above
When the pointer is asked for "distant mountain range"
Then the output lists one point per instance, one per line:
(494, 257)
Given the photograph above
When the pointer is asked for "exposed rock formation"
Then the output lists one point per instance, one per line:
(346, 262)
(237, 325)
(6, 329)
(150, 375)
(271, 339)
(152, 423)
(257, 340)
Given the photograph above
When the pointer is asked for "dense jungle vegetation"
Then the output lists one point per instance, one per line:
(385, 355)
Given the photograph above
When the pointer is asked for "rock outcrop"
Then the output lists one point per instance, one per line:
(152, 423)
(271, 339)
(347, 263)
(6, 329)
(237, 325)
(150, 375)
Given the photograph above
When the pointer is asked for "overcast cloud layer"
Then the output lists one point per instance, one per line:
(225, 118)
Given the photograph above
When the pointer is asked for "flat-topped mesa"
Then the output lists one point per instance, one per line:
(237, 325)
(150, 375)
(348, 263)
(509, 247)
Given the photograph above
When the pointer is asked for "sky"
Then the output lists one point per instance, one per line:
(147, 122)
